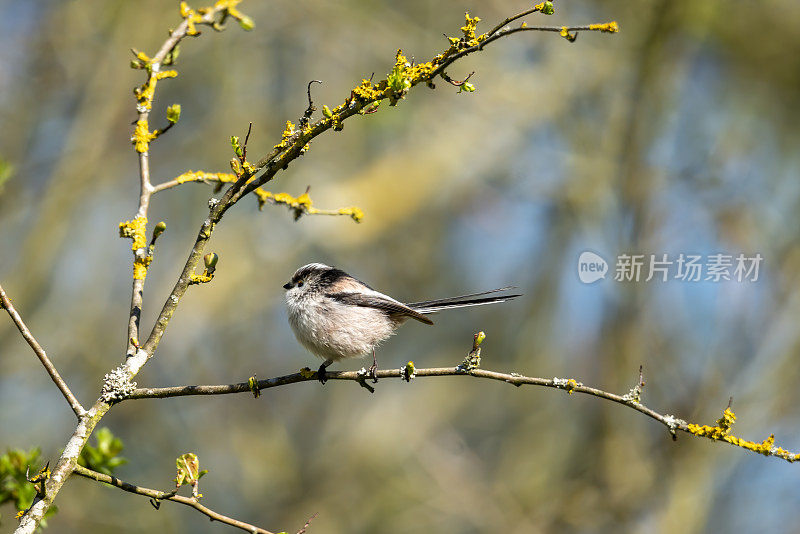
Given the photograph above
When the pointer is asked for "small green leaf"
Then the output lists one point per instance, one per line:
(466, 87)
(174, 113)
(237, 148)
(188, 469)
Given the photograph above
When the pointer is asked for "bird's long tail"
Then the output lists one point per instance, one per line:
(462, 301)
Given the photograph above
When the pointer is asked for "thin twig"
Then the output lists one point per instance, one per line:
(511, 19)
(146, 188)
(246, 140)
(457, 83)
(308, 524)
(167, 496)
(569, 385)
(42, 355)
(511, 378)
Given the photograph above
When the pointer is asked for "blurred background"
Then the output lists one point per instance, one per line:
(677, 135)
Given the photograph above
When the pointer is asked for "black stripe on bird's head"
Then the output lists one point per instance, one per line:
(317, 274)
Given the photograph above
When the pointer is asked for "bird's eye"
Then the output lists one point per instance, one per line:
(300, 283)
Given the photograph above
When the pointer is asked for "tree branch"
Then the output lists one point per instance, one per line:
(157, 495)
(280, 157)
(720, 432)
(145, 97)
(293, 144)
(67, 460)
(42, 355)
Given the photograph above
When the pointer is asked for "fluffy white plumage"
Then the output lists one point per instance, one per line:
(336, 316)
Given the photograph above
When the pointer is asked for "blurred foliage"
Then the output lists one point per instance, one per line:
(6, 171)
(15, 467)
(679, 134)
(104, 455)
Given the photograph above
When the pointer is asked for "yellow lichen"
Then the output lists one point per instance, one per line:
(134, 230)
(303, 205)
(367, 91)
(355, 213)
(469, 30)
(608, 27)
(721, 432)
(288, 132)
(336, 122)
(230, 6)
(142, 136)
(203, 176)
(571, 385)
(191, 17)
(140, 266)
(201, 278)
(305, 372)
(302, 201)
(262, 196)
(420, 72)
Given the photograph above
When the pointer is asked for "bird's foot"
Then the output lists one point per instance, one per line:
(373, 369)
(322, 374)
(373, 372)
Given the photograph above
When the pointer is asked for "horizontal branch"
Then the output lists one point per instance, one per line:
(167, 496)
(42, 355)
(631, 399)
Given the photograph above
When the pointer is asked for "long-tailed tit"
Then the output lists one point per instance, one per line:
(336, 316)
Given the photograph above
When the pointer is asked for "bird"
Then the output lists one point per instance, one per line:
(336, 316)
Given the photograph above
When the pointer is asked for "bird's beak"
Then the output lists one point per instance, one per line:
(287, 285)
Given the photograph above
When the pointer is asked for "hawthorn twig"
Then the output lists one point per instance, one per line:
(279, 158)
(118, 381)
(167, 496)
(42, 355)
(67, 461)
(511, 19)
(146, 189)
(672, 423)
(308, 524)
(457, 83)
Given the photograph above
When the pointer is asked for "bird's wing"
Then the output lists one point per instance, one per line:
(380, 302)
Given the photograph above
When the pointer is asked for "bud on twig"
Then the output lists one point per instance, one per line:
(210, 260)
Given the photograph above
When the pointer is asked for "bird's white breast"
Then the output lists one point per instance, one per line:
(335, 331)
